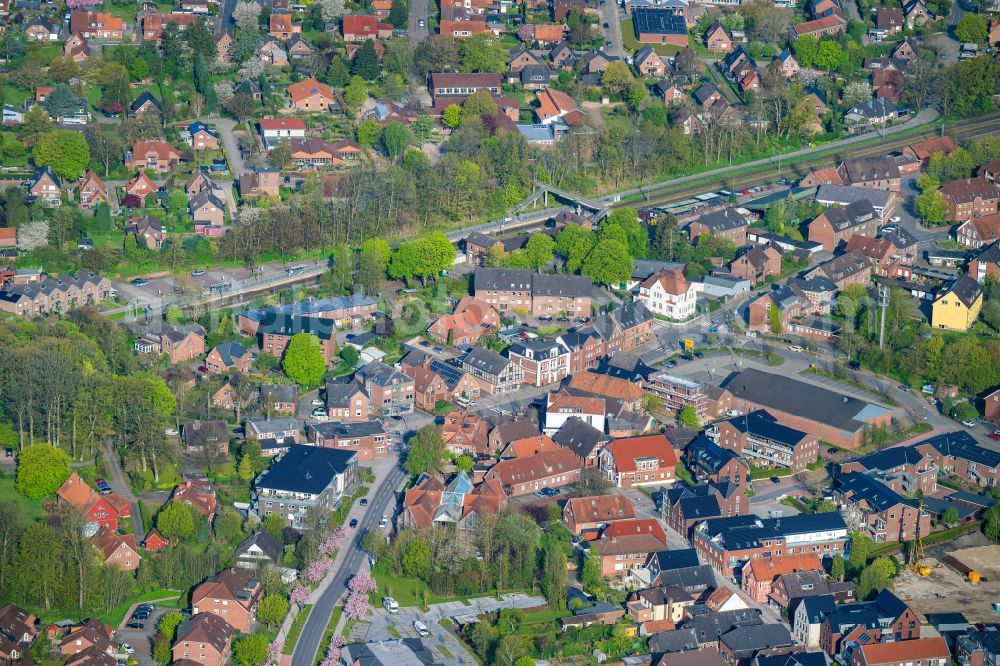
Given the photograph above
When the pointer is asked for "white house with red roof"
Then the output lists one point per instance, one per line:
(647, 460)
(275, 130)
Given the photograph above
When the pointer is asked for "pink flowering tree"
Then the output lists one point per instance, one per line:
(356, 606)
(526, 33)
(318, 570)
(78, 4)
(337, 643)
(362, 583)
(333, 542)
(274, 653)
(299, 595)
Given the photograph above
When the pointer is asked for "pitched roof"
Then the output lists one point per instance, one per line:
(205, 628)
(305, 469)
(966, 289)
(600, 508)
(658, 22)
(543, 465)
(309, 87)
(486, 360)
(606, 385)
(900, 651)
(672, 281)
(760, 423)
(770, 568)
(579, 437)
(627, 450)
(966, 190)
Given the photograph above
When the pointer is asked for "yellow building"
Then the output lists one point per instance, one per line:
(959, 306)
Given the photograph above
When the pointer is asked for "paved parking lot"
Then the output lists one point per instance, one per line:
(141, 639)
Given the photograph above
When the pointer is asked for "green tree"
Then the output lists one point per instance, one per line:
(63, 151)
(368, 130)
(774, 319)
(349, 355)
(41, 469)
(168, 625)
(395, 138)
(950, 516)
(636, 237)
(244, 469)
(464, 463)
(608, 263)
(553, 581)
(175, 521)
(452, 116)
(337, 73)
(162, 652)
(417, 560)
(483, 52)
(355, 93)
(826, 506)
(477, 105)
(372, 263)
(272, 609)
(668, 243)
(591, 574)
(837, 567)
(250, 650)
(228, 525)
(61, 102)
(860, 548)
(932, 206)
(365, 62)
(303, 361)
(426, 451)
(539, 250)
(274, 525)
(688, 417)
(399, 15)
(972, 28)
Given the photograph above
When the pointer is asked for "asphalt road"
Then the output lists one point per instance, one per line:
(418, 12)
(380, 502)
(120, 485)
(226, 16)
(609, 15)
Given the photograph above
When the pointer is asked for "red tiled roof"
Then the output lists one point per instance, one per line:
(900, 651)
(625, 451)
(282, 124)
(541, 466)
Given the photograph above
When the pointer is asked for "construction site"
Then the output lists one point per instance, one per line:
(954, 579)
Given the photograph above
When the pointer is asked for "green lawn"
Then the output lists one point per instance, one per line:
(411, 592)
(632, 44)
(32, 508)
(293, 632)
(163, 598)
(546, 616)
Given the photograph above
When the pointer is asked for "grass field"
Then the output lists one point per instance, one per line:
(293, 632)
(631, 44)
(32, 509)
(163, 598)
(412, 592)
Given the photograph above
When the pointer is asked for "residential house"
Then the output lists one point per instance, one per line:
(844, 270)
(206, 436)
(147, 230)
(764, 442)
(145, 105)
(888, 22)
(551, 469)
(959, 454)
(957, 307)
(431, 503)
(542, 362)
(263, 181)
(228, 355)
(624, 329)
(670, 294)
(259, 550)
(592, 514)
(884, 515)
(626, 544)
(92, 190)
(639, 461)
(727, 544)
(466, 433)
(872, 112)
(203, 137)
(807, 618)
(158, 156)
(90, 634)
(39, 29)
(140, 185)
(657, 607)
(556, 106)
(541, 294)
(455, 87)
(45, 187)
(622, 391)
(179, 343)
(205, 639)
(561, 406)
(710, 463)
(463, 29)
(743, 643)
(274, 334)
(97, 26)
(102, 511)
(932, 651)
(730, 223)
(363, 28)
(198, 494)
(836, 225)
(368, 438)
(471, 320)
(117, 550)
(208, 212)
(311, 95)
(825, 25)
(968, 198)
(649, 63)
(276, 130)
(791, 588)
(314, 153)
(153, 23)
(17, 631)
(759, 575)
(52, 296)
(232, 594)
(583, 439)
(685, 506)
(882, 201)
(281, 26)
(718, 39)
(904, 469)
(979, 231)
(391, 391)
(497, 373)
(306, 478)
(757, 263)
(985, 263)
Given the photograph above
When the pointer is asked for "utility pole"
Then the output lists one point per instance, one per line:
(883, 302)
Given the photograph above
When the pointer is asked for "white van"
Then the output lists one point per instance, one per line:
(390, 605)
(421, 628)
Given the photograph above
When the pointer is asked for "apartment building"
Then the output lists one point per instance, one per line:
(497, 373)
(391, 391)
(647, 460)
(539, 294)
(55, 296)
(542, 361)
(307, 477)
(904, 469)
(879, 511)
(763, 441)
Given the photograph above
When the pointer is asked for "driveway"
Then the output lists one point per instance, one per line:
(141, 639)
(120, 485)
(226, 128)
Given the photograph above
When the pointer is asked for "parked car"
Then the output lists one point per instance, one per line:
(775, 479)
(390, 605)
(126, 648)
(421, 628)
(421, 23)
(995, 434)
(317, 402)
(319, 413)
(198, 272)
(364, 501)
(9, 452)
(139, 282)
(969, 423)
(905, 388)
(353, 523)
(135, 625)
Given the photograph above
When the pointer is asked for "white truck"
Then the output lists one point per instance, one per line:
(421, 628)
(390, 605)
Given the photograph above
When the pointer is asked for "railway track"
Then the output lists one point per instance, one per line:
(961, 130)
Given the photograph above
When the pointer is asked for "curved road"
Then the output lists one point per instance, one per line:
(307, 647)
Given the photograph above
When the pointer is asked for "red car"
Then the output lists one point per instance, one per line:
(995, 435)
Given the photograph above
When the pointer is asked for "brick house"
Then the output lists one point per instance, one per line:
(979, 231)
(959, 454)
(347, 402)
(311, 95)
(205, 639)
(201, 436)
(764, 442)
(117, 550)
(586, 348)
(757, 263)
(582, 514)
(140, 185)
(281, 26)
(917, 652)
(99, 26)
(624, 329)
(274, 334)
(158, 156)
(879, 173)
(45, 187)
(968, 198)
(92, 190)
(263, 181)
(718, 39)
(101, 510)
(759, 575)
(466, 433)
(686, 506)
(90, 634)
(542, 362)
(207, 211)
(179, 343)
(551, 469)
(198, 494)
(836, 225)
(539, 294)
(363, 28)
(232, 595)
(649, 63)
(391, 392)
(710, 463)
(885, 515)
(639, 461)
(228, 355)
(153, 23)
(471, 320)
(904, 469)
(844, 270)
(628, 393)
(53, 296)
(627, 544)
(726, 223)
(991, 406)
